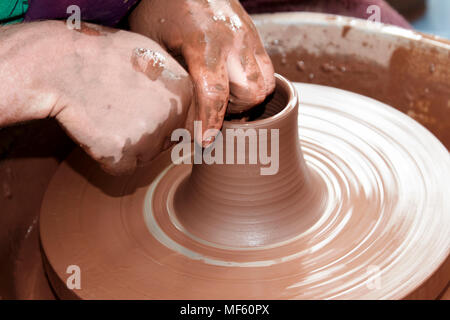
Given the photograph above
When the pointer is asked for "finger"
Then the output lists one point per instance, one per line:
(266, 67)
(211, 92)
(247, 84)
(189, 124)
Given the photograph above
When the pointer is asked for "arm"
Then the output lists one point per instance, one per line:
(103, 85)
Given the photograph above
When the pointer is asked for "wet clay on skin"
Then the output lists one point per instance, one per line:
(221, 48)
(364, 195)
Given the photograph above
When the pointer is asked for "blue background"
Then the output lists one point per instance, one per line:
(436, 19)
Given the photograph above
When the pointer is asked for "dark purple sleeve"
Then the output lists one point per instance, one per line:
(110, 12)
(105, 12)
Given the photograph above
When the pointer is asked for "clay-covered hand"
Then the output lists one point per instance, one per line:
(118, 94)
(222, 50)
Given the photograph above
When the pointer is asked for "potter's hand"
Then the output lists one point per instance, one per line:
(116, 93)
(221, 48)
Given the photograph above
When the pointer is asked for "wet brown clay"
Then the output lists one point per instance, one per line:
(344, 217)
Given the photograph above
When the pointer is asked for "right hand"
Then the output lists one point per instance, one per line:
(116, 93)
(222, 50)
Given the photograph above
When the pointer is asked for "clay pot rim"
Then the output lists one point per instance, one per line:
(304, 18)
(282, 84)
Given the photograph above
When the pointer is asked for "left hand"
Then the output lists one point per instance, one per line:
(222, 50)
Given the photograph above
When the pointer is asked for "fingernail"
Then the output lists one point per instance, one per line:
(208, 139)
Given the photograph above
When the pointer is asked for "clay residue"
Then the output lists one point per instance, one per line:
(88, 30)
(94, 30)
(151, 63)
(138, 153)
(219, 44)
(345, 30)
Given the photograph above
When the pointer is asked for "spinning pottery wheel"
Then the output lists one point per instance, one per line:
(357, 209)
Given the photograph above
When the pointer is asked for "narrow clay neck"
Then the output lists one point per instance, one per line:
(239, 205)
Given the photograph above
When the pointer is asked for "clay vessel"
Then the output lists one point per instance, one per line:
(253, 204)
